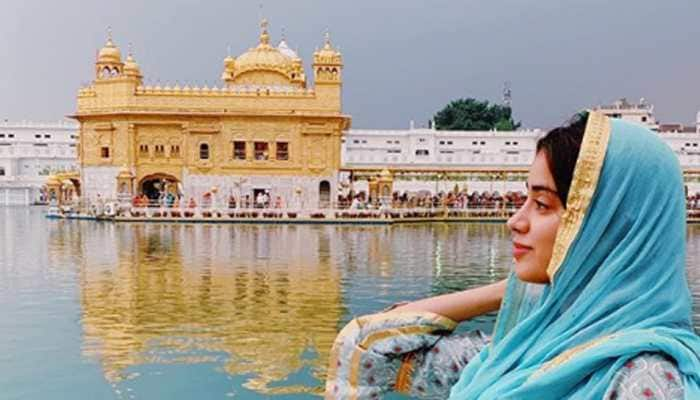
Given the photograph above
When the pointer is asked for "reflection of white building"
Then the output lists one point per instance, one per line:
(29, 152)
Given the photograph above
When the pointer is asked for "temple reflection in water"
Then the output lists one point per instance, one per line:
(259, 302)
(191, 294)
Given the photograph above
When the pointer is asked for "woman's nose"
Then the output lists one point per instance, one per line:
(518, 222)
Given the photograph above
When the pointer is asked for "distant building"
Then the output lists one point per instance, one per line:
(427, 148)
(641, 113)
(683, 139)
(433, 160)
(29, 153)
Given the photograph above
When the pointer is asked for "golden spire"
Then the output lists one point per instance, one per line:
(228, 58)
(130, 54)
(264, 36)
(109, 37)
(327, 41)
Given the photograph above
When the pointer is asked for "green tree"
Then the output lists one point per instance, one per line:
(474, 115)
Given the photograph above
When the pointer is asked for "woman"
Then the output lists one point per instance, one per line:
(599, 290)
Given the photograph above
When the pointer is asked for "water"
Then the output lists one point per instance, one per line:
(142, 311)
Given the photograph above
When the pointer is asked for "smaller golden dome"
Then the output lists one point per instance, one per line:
(109, 53)
(229, 61)
(229, 65)
(131, 67)
(328, 51)
(284, 48)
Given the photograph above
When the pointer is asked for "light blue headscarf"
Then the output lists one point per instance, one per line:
(618, 289)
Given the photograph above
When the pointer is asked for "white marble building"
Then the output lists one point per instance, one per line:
(476, 159)
(29, 153)
(468, 159)
(429, 147)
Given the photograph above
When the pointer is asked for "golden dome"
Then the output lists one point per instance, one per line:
(328, 51)
(109, 53)
(264, 56)
(131, 67)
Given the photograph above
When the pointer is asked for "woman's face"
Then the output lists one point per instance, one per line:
(534, 226)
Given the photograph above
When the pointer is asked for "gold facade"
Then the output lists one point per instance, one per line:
(263, 121)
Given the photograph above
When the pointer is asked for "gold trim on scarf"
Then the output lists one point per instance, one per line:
(583, 185)
(585, 180)
(567, 355)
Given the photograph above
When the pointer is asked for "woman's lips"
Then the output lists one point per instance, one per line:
(520, 250)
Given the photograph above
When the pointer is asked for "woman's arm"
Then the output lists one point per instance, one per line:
(461, 306)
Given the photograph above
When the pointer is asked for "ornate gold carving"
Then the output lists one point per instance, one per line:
(204, 128)
(106, 126)
(583, 186)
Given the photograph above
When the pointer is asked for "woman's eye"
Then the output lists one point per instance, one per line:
(540, 205)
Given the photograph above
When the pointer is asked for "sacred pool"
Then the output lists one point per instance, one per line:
(146, 310)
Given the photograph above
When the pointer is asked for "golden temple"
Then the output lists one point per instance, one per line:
(264, 130)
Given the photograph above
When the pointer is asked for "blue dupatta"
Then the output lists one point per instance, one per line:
(618, 280)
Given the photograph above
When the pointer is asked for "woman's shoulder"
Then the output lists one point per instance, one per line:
(646, 376)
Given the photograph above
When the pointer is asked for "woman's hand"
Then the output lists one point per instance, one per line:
(460, 306)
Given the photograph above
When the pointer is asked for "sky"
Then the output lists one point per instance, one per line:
(404, 59)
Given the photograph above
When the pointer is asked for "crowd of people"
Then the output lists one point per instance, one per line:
(692, 204)
(208, 200)
(511, 200)
(425, 199)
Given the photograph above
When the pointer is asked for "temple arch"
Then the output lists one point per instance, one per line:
(324, 194)
(154, 186)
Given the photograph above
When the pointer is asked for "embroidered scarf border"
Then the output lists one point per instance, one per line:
(583, 185)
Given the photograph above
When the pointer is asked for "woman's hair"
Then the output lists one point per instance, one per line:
(561, 147)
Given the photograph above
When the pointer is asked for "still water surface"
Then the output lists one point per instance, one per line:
(142, 311)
